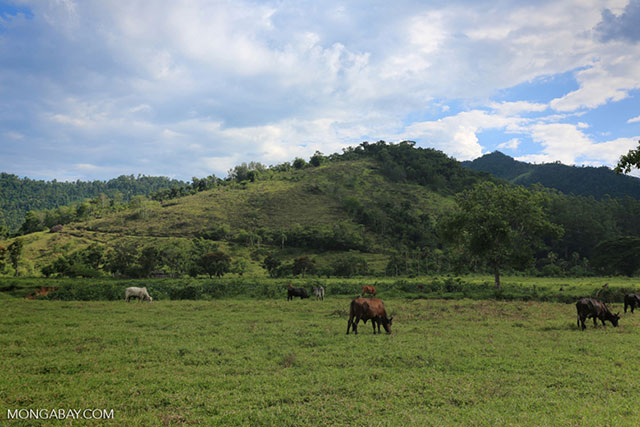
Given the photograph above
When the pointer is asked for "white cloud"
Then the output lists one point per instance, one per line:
(457, 135)
(514, 108)
(634, 120)
(512, 144)
(137, 89)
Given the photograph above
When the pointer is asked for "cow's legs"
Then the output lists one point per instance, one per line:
(632, 307)
(373, 323)
(354, 327)
(625, 307)
(582, 319)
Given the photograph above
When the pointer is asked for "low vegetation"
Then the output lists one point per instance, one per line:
(271, 362)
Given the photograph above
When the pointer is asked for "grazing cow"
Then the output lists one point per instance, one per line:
(296, 292)
(319, 292)
(140, 293)
(368, 309)
(631, 300)
(368, 290)
(589, 307)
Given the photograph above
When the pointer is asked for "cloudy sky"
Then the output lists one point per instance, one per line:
(182, 88)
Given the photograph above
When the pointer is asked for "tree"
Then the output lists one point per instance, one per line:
(303, 265)
(629, 161)
(215, 263)
(122, 257)
(3, 254)
(501, 225)
(621, 255)
(271, 264)
(148, 260)
(15, 252)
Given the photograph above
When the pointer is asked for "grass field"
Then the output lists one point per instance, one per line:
(273, 362)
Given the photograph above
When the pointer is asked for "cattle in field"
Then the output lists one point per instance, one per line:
(631, 300)
(318, 292)
(371, 290)
(296, 292)
(368, 309)
(589, 307)
(140, 293)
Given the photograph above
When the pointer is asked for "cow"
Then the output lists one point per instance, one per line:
(368, 290)
(632, 300)
(318, 292)
(589, 307)
(368, 309)
(296, 292)
(140, 293)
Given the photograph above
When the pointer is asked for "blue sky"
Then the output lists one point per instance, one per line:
(96, 89)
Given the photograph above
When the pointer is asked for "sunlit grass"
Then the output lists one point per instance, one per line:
(290, 363)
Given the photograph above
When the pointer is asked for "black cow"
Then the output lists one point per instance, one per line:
(631, 300)
(368, 309)
(589, 307)
(296, 292)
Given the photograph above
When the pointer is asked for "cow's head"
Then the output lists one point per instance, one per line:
(614, 319)
(386, 324)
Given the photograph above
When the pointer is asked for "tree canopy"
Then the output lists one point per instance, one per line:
(500, 225)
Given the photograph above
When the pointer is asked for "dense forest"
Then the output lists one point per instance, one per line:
(377, 208)
(21, 195)
(587, 181)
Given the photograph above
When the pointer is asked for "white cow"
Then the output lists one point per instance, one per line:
(319, 292)
(140, 293)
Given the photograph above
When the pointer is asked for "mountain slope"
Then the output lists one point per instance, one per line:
(20, 195)
(584, 181)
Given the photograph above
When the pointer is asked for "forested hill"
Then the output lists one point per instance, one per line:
(20, 195)
(583, 181)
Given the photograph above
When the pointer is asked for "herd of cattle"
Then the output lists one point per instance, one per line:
(371, 308)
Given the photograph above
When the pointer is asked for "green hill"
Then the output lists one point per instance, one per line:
(583, 181)
(21, 195)
(371, 210)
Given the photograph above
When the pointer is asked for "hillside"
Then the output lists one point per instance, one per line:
(371, 201)
(583, 181)
(21, 195)
(371, 210)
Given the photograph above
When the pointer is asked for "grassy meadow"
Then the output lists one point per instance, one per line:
(274, 362)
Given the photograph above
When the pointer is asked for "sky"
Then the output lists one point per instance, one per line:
(94, 89)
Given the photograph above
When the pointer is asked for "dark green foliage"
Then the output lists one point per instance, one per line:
(121, 259)
(317, 159)
(500, 225)
(303, 265)
(584, 181)
(83, 263)
(15, 253)
(349, 265)
(299, 163)
(215, 263)
(629, 161)
(618, 256)
(272, 265)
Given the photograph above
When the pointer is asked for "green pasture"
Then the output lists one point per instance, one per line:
(274, 362)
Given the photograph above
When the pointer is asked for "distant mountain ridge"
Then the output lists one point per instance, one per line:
(582, 181)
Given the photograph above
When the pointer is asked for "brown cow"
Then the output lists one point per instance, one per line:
(368, 290)
(589, 307)
(632, 300)
(368, 309)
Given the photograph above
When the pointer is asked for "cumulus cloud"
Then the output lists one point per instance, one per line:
(621, 27)
(188, 88)
(634, 120)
